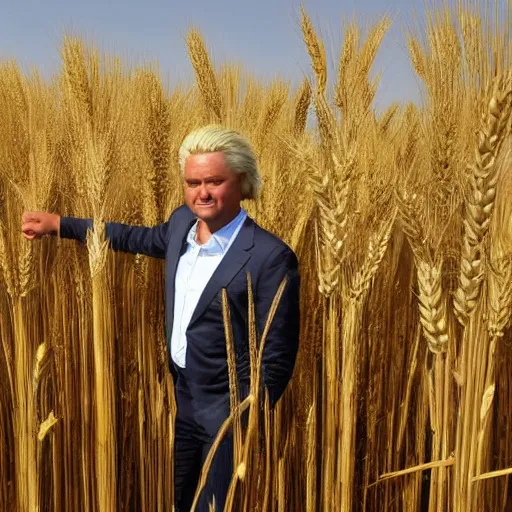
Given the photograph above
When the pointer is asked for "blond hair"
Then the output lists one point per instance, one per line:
(238, 154)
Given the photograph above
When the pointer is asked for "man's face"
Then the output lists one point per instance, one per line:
(212, 189)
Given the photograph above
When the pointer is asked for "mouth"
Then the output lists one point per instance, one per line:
(205, 204)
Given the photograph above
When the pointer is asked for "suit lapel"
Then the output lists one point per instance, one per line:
(233, 261)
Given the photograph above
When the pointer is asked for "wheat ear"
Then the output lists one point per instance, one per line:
(480, 204)
(376, 250)
(332, 221)
(205, 75)
(316, 51)
(433, 314)
(301, 108)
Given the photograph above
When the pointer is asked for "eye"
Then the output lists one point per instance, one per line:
(217, 182)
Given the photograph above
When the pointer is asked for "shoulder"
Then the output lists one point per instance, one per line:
(181, 214)
(271, 246)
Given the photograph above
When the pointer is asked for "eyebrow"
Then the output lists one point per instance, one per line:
(215, 177)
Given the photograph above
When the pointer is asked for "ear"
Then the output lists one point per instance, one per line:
(245, 187)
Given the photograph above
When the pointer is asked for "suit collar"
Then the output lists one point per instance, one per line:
(221, 239)
(245, 238)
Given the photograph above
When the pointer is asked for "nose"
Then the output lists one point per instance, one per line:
(203, 192)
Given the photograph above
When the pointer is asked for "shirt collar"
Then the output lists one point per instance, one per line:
(220, 240)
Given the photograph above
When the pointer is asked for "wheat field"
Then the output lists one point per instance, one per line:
(401, 398)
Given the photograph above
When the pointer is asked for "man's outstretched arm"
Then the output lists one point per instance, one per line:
(134, 239)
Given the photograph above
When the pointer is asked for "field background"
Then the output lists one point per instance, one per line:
(402, 221)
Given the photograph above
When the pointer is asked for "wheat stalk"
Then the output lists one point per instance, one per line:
(105, 442)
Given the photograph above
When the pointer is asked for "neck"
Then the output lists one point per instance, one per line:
(205, 229)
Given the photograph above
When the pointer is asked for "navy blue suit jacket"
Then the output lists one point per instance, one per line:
(255, 250)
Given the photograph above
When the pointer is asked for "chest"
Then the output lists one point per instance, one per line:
(196, 266)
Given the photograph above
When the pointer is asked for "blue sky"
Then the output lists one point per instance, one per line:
(263, 35)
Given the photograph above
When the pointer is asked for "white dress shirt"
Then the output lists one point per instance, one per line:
(195, 268)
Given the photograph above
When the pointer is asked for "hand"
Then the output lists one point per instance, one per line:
(37, 224)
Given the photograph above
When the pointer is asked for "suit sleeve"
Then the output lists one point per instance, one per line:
(151, 241)
(282, 342)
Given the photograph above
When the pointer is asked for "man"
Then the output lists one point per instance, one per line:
(209, 243)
